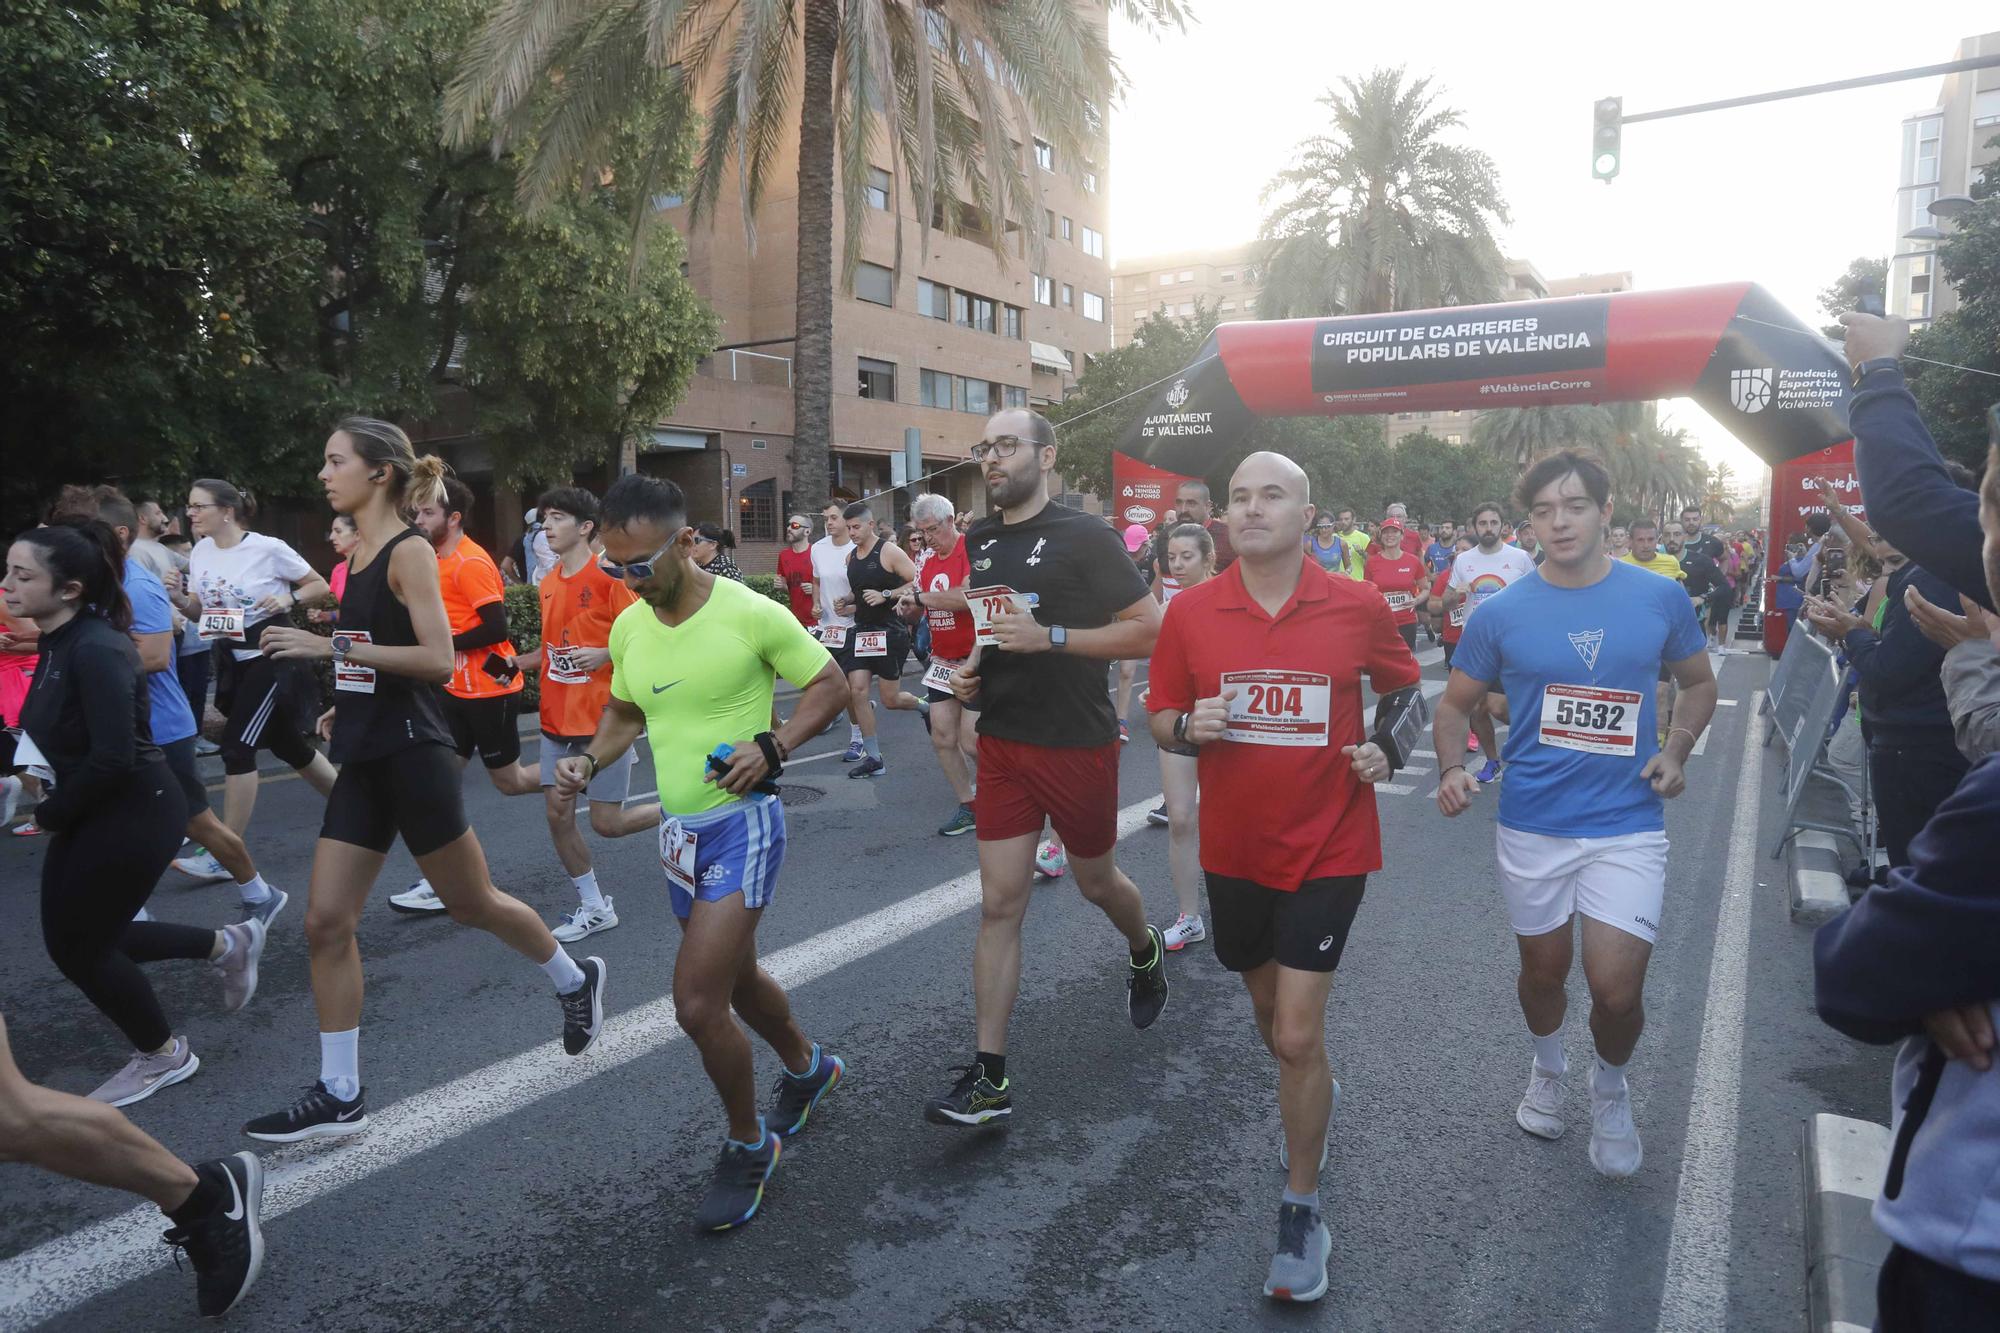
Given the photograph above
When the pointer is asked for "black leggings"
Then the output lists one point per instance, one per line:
(261, 718)
(95, 878)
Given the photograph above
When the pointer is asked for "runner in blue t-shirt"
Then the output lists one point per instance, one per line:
(1576, 647)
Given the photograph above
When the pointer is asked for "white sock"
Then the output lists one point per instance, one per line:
(586, 889)
(1549, 1052)
(228, 946)
(562, 970)
(1607, 1080)
(255, 890)
(340, 1063)
(854, 733)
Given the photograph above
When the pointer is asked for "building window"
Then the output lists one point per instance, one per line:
(874, 283)
(1166, 279)
(1928, 133)
(1186, 308)
(1920, 207)
(878, 379)
(878, 188)
(972, 312)
(1454, 438)
(1986, 107)
(1228, 275)
(1048, 222)
(1093, 306)
(1068, 229)
(1010, 321)
(975, 396)
(1093, 242)
(1917, 302)
(663, 202)
(1187, 275)
(757, 512)
(933, 299)
(1069, 297)
(1226, 308)
(1090, 177)
(1013, 396)
(1045, 156)
(1044, 290)
(934, 389)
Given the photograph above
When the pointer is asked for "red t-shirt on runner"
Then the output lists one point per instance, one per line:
(951, 631)
(1454, 623)
(1273, 810)
(1398, 574)
(796, 568)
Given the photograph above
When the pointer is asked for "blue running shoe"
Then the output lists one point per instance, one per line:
(1490, 771)
(738, 1185)
(797, 1094)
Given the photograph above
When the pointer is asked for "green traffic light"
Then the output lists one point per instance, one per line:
(1609, 116)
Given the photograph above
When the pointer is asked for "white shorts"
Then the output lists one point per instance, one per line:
(613, 782)
(1619, 880)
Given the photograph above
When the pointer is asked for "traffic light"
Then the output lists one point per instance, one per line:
(1609, 114)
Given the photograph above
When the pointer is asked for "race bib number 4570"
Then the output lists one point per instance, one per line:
(1595, 721)
(1277, 707)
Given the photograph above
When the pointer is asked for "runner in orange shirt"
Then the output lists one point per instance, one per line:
(579, 602)
(485, 686)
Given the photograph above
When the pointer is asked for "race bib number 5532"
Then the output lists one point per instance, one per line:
(1277, 707)
(1595, 721)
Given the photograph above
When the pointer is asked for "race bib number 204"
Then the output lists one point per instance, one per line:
(1277, 707)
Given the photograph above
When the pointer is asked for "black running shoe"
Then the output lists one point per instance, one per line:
(796, 1096)
(1148, 984)
(227, 1245)
(972, 1100)
(317, 1115)
(583, 1008)
(869, 767)
(738, 1185)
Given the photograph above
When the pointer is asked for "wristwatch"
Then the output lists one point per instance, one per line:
(1873, 363)
(1058, 637)
(342, 644)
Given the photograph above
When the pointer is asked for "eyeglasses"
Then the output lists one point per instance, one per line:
(640, 569)
(1002, 446)
(194, 505)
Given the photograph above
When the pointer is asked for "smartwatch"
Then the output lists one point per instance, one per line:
(342, 644)
(1873, 363)
(1058, 637)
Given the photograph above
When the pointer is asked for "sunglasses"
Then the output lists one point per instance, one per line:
(639, 569)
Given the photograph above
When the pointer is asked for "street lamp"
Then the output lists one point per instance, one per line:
(1951, 206)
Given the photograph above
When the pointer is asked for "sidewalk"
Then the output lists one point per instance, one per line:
(1844, 1162)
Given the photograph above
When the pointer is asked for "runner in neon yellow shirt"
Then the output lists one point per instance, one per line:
(693, 662)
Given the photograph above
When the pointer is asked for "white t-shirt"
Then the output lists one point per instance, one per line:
(540, 555)
(1479, 575)
(830, 579)
(255, 568)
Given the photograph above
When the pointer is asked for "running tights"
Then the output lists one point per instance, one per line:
(95, 878)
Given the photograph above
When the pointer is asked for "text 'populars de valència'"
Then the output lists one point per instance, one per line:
(1486, 337)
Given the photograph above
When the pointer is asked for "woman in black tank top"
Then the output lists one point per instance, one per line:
(398, 773)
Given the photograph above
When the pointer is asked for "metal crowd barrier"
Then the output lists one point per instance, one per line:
(1803, 699)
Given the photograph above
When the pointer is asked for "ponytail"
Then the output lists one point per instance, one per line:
(86, 551)
(427, 478)
(230, 497)
(724, 539)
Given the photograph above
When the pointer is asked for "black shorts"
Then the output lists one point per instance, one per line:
(1409, 633)
(180, 761)
(889, 666)
(414, 792)
(1450, 647)
(1307, 929)
(485, 725)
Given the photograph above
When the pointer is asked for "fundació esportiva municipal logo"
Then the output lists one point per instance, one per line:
(1750, 390)
(1177, 395)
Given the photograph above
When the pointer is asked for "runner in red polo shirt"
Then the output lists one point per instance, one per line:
(795, 567)
(939, 594)
(1454, 620)
(1400, 576)
(1261, 668)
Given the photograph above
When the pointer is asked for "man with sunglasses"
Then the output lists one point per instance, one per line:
(693, 663)
(1048, 737)
(795, 567)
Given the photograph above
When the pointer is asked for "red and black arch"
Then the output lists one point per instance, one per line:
(1756, 368)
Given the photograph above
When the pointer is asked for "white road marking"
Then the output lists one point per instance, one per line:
(1394, 788)
(1695, 1295)
(1727, 703)
(1430, 656)
(59, 1275)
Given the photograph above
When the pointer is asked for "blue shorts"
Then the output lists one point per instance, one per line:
(738, 848)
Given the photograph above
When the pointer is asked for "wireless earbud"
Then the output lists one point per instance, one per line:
(376, 475)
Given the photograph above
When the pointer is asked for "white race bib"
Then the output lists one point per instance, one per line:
(1595, 721)
(351, 676)
(1277, 707)
(563, 667)
(871, 643)
(833, 636)
(677, 854)
(939, 676)
(1458, 614)
(30, 758)
(221, 622)
(1400, 601)
(987, 603)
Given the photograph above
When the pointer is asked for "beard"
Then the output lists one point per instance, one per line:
(1009, 491)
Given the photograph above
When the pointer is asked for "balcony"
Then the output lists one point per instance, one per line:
(744, 367)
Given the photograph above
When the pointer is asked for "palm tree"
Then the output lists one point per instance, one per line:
(1521, 434)
(947, 81)
(1716, 506)
(1381, 214)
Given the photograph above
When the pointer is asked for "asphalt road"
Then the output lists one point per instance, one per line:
(504, 1187)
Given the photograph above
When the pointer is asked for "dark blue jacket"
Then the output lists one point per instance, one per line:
(1902, 694)
(1912, 500)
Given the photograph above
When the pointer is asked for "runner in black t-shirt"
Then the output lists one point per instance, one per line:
(1048, 738)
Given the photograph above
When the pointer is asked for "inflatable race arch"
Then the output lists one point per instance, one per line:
(1773, 381)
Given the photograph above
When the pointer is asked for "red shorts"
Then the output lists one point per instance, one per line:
(1076, 789)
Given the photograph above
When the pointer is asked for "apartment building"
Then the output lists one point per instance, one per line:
(1224, 280)
(1945, 147)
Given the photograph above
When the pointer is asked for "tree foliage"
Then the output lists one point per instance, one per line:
(1954, 401)
(1864, 278)
(1381, 213)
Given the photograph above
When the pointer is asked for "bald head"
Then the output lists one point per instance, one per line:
(1269, 508)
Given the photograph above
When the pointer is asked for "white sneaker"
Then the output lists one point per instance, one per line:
(1051, 860)
(144, 1075)
(1540, 1111)
(1614, 1139)
(1186, 930)
(203, 867)
(585, 921)
(419, 897)
(238, 968)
